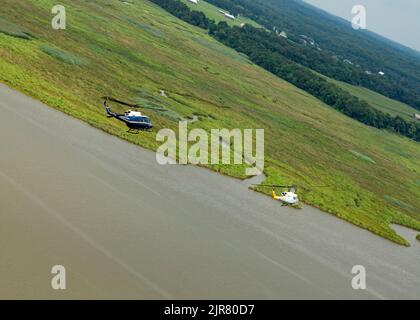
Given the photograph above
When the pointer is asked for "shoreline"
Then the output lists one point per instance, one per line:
(126, 227)
(145, 147)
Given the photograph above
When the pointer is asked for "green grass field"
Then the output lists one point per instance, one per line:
(132, 51)
(214, 13)
(378, 101)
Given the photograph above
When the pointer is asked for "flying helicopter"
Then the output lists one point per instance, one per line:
(134, 120)
(289, 197)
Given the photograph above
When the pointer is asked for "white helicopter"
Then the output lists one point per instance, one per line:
(289, 197)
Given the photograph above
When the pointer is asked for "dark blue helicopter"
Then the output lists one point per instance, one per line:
(134, 120)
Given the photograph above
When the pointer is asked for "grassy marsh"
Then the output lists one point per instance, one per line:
(307, 143)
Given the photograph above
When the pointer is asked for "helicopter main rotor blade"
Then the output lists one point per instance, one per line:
(151, 108)
(131, 104)
(288, 186)
(120, 102)
(273, 185)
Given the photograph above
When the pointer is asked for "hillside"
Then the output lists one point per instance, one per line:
(376, 100)
(214, 13)
(380, 102)
(335, 49)
(296, 62)
(135, 50)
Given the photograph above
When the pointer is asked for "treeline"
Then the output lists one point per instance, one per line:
(180, 10)
(258, 46)
(339, 42)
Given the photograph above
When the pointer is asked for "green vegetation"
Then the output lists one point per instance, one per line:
(398, 202)
(338, 51)
(418, 237)
(307, 142)
(362, 156)
(212, 12)
(378, 101)
(14, 30)
(276, 55)
(62, 55)
(148, 28)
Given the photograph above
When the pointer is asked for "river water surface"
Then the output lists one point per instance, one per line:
(125, 227)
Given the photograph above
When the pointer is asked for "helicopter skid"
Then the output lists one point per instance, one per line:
(137, 131)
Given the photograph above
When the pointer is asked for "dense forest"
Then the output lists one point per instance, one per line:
(271, 55)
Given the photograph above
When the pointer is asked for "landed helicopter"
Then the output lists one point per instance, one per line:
(134, 120)
(289, 197)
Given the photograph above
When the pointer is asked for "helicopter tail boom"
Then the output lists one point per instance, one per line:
(108, 110)
(273, 194)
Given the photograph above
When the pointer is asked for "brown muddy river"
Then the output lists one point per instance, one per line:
(125, 227)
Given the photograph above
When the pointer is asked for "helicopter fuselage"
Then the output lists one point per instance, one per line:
(286, 197)
(133, 119)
